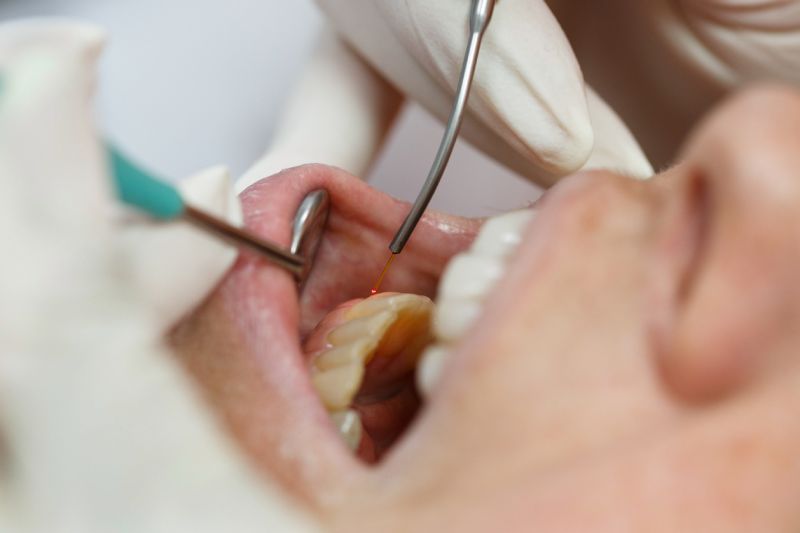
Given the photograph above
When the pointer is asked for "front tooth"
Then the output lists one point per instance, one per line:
(466, 283)
(454, 317)
(470, 276)
(349, 425)
(501, 235)
(366, 327)
(430, 368)
(338, 386)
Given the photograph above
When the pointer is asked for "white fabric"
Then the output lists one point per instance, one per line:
(663, 63)
(338, 115)
(99, 429)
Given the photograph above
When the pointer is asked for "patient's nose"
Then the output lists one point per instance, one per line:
(741, 306)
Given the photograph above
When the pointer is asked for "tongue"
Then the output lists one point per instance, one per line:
(243, 344)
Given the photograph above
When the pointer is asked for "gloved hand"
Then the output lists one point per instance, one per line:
(529, 108)
(663, 63)
(99, 425)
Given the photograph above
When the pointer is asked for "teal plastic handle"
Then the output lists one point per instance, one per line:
(139, 189)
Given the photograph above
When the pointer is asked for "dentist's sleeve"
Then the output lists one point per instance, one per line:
(338, 114)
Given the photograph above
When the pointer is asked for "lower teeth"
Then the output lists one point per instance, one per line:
(349, 425)
(388, 330)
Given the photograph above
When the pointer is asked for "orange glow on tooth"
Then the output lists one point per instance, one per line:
(377, 286)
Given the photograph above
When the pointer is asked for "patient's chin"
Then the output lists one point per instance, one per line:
(307, 397)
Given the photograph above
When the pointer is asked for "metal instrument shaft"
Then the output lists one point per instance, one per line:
(239, 237)
(480, 17)
(139, 188)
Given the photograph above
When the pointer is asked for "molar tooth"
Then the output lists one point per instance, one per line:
(500, 235)
(391, 326)
(347, 354)
(367, 327)
(349, 425)
(470, 276)
(430, 368)
(338, 386)
(454, 317)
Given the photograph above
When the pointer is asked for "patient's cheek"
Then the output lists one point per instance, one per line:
(362, 358)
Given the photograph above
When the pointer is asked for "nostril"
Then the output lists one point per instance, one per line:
(697, 202)
(687, 219)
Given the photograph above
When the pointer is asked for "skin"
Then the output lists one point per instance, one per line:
(636, 369)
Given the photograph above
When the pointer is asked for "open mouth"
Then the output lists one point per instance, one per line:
(328, 369)
(317, 386)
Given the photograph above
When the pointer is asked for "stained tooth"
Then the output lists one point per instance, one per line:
(470, 276)
(430, 369)
(348, 354)
(454, 317)
(387, 302)
(370, 326)
(338, 386)
(392, 326)
(501, 235)
(349, 425)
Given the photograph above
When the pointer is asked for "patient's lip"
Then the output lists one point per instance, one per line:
(243, 345)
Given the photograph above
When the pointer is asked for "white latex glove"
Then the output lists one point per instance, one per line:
(663, 63)
(529, 108)
(101, 431)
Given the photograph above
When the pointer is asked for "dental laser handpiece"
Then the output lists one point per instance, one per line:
(480, 16)
(162, 201)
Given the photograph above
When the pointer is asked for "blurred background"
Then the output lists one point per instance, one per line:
(187, 84)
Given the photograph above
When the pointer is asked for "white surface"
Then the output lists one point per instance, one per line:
(188, 84)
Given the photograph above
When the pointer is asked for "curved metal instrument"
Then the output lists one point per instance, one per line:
(480, 17)
(308, 227)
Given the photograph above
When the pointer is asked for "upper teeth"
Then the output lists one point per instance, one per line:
(466, 283)
(500, 236)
